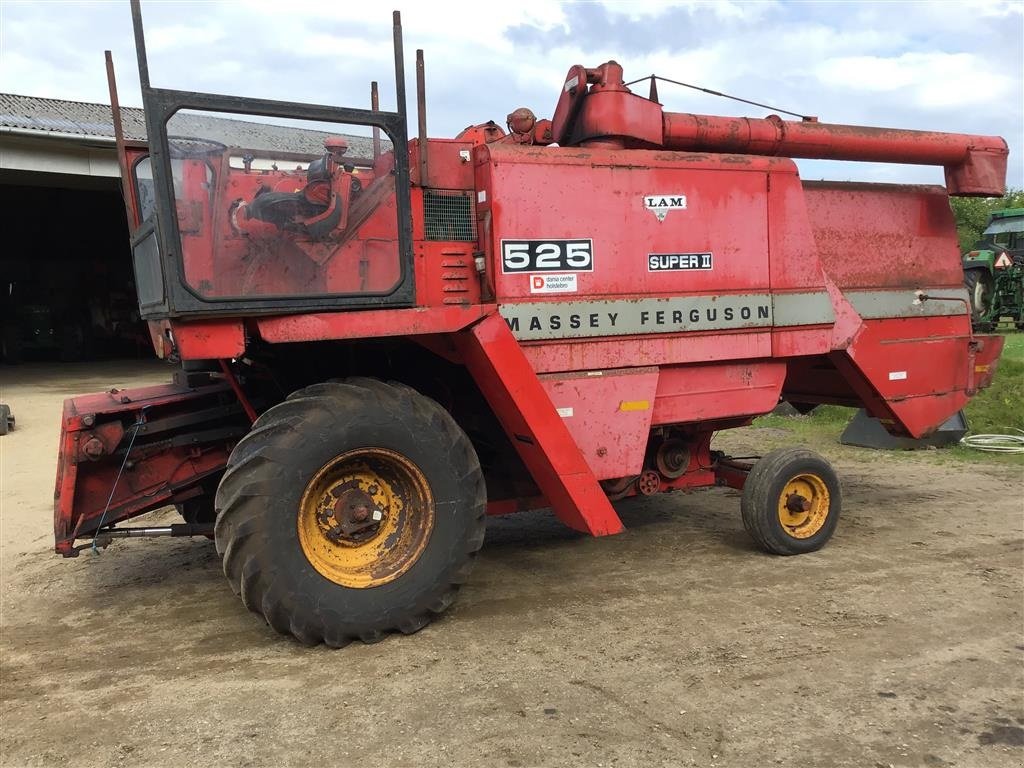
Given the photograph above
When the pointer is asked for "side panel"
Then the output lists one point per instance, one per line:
(688, 394)
(884, 235)
(922, 370)
(608, 414)
(624, 223)
(599, 354)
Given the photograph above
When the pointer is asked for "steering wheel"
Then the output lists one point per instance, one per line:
(199, 147)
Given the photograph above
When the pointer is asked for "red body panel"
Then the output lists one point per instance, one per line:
(375, 323)
(700, 393)
(608, 415)
(615, 219)
(545, 445)
(905, 230)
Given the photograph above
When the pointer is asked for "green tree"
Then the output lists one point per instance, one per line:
(971, 214)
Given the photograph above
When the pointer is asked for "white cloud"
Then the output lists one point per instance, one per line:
(178, 36)
(724, 9)
(932, 80)
(952, 66)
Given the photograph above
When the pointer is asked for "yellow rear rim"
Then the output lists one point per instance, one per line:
(804, 506)
(365, 517)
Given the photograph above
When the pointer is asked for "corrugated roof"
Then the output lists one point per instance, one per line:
(75, 117)
(90, 120)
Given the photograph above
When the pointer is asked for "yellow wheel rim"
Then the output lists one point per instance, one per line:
(804, 506)
(365, 517)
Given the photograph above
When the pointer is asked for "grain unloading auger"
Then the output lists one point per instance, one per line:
(383, 340)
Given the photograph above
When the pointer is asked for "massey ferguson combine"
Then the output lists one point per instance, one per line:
(383, 341)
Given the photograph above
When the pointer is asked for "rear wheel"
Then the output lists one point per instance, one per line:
(352, 509)
(980, 288)
(791, 501)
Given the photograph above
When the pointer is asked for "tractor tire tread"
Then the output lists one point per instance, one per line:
(263, 459)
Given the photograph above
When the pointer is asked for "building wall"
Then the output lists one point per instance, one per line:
(66, 283)
(49, 155)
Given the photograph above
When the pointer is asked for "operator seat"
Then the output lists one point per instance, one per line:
(315, 209)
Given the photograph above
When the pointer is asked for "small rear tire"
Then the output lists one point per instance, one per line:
(791, 501)
(350, 510)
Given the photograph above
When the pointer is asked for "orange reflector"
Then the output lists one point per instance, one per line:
(981, 368)
(634, 405)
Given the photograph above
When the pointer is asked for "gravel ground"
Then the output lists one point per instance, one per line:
(677, 643)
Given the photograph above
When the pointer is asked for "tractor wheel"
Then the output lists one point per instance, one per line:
(980, 288)
(791, 501)
(6, 419)
(351, 509)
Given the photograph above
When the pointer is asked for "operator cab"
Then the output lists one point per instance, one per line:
(272, 208)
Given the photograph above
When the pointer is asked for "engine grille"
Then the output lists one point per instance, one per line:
(449, 214)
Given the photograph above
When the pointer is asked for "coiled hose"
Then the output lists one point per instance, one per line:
(995, 443)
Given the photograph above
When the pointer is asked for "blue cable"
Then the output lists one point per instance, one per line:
(110, 498)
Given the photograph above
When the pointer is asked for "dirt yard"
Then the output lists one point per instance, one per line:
(677, 643)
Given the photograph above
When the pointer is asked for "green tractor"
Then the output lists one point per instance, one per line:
(994, 271)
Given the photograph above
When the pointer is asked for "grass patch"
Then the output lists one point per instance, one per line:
(999, 409)
(823, 420)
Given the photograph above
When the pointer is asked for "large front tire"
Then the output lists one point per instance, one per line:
(350, 510)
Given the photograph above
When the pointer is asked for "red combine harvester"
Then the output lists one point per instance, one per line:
(383, 341)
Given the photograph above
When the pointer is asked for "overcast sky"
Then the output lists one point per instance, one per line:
(939, 65)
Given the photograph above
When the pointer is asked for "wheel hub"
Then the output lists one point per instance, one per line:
(353, 518)
(365, 517)
(804, 506)
(797, 503)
